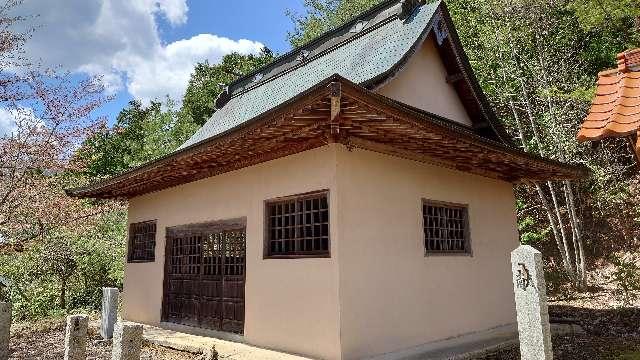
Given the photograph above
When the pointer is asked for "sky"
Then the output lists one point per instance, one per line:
(146, 49)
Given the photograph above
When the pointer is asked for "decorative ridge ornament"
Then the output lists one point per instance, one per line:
(407, 7)
(303, 56)
(440, 29)
(629, 61)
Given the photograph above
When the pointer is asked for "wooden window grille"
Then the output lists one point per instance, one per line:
(298, 226)
(446, 228)
(142, 242)
(186, 255)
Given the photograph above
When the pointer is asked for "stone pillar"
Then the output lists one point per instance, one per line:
(127, 341)
(109, 312)
(75, 340)
(531, 304)
(5, 328)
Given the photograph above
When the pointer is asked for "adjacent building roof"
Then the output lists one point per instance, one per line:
(615, 111)
(325, 93)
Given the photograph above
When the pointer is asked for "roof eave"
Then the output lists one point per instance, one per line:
(100, 189)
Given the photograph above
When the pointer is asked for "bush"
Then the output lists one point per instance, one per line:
(626, 278)
(67, 272)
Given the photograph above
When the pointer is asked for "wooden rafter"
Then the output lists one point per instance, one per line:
(347, 114)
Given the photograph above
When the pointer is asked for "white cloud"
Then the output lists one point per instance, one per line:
(7, 122)
(11, 116)
(119, 39)
(169, 70)
(175, 11)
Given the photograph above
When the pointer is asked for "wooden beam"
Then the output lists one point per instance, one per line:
(335, 89)
(453, 78)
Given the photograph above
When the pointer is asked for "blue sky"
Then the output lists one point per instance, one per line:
(266, 23)
(146, 49)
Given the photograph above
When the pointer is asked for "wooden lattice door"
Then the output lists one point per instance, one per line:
(205, 276)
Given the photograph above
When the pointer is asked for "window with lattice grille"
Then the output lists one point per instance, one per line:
(297, 226)
(446, 228)
(142, 242)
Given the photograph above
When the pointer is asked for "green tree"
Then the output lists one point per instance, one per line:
(141, 134)
(537, 61)
(323, 15)
(67, 270)
(208, 80)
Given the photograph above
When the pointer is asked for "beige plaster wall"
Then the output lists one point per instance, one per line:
(392, 297)
(291, 305)
(377, 293)
(423, 84)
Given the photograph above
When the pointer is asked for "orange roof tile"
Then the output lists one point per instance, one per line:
(615, 111)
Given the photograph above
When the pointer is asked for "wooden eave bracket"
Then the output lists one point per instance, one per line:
(454, 78)
(335, 91)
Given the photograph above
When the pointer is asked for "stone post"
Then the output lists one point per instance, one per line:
(531, 304)
(75, 340)
(5, 328)
(109, 312)
(127, 341)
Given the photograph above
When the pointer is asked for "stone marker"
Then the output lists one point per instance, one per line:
(210, 353)
(531, 304)
(109, 312)
(75, 340)
(5, 327)
(127, 341)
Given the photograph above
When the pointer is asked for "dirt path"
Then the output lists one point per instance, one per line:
(45, 341)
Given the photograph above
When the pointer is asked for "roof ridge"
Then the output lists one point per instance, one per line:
(629, 61)
(385, 5)
(314, 57)
(313, 41)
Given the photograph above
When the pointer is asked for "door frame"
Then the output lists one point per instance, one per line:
(184, 229)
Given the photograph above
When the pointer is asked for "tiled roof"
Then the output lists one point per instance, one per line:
(369, 121)
(615, 111)
(358, 53)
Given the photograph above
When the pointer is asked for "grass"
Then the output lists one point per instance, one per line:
(629, 356)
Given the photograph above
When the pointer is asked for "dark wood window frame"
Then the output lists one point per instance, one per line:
(465, 222)
(296, 239)
(147, 230)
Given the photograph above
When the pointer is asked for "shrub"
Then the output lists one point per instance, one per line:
(626, 278)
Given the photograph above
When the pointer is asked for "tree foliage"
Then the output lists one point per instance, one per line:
(537, 61)
(323, 15)
(46, 237)
(140, 134)
(208, 80)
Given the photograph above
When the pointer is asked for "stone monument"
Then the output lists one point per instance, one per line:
(127, 341)
(109, 312)
(531, 304)
(5, 328)
(75, 340)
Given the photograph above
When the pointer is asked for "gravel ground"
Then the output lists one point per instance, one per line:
(45, 340)
(611, 333)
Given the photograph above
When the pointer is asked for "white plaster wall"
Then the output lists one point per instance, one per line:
(392, 297)
(423, 84)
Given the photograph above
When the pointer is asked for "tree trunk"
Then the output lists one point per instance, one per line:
(562, 249)
(63, 293)
(577, 226)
